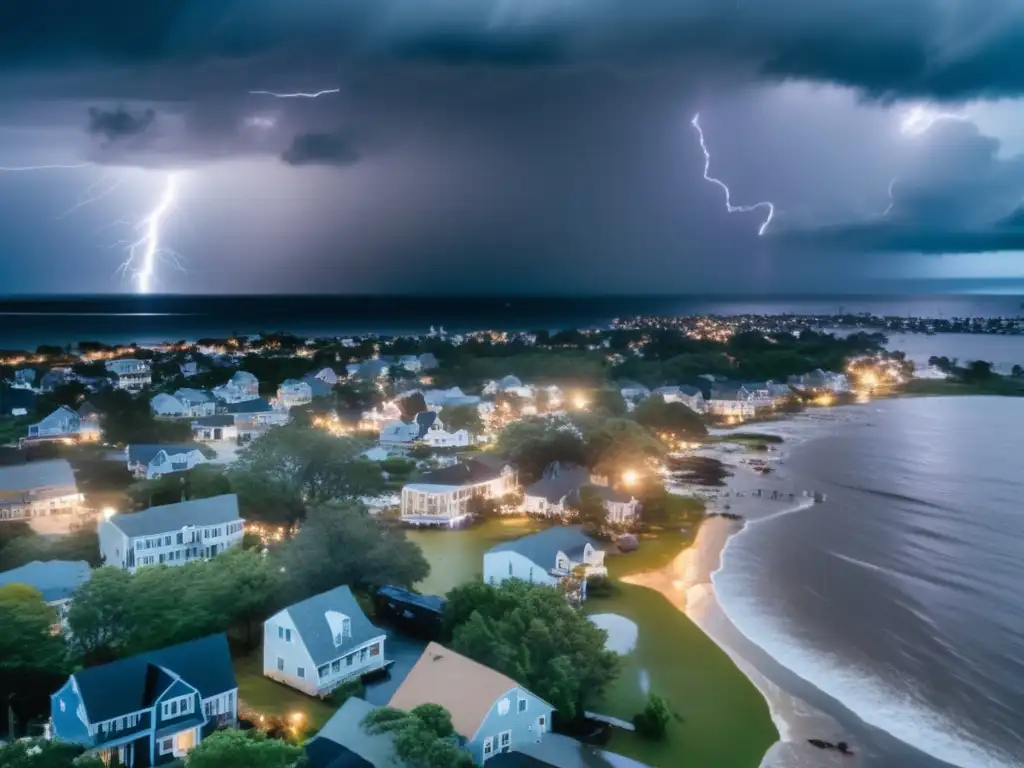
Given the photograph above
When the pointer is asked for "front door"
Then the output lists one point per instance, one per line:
(218, 433)
(542, 723)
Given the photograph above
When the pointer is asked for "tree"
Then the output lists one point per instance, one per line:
(533, 635)
(411, 404)
(653, 722)
(465, 417)
(127, 419)
(589, 508)
(374, 554)
(533, 443)
(609, 402)
(675, 418)
(244, 749)
(977, 370)
(201, 482)
(422, 736)
(620, 444)
(1017, 371)
(481, 507)
(44, 753)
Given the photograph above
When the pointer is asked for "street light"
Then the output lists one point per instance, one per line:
(108, 512)
(629, 477)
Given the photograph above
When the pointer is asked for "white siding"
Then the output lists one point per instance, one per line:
(293, 653)
(500, 566)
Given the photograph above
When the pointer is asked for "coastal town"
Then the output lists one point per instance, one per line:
(423, 551)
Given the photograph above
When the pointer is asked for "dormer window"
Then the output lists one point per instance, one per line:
(341, 626)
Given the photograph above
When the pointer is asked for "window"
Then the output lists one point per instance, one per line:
(167, 540)
(300, 671)
(280, 633)
(206, 533)
(375, 650)
(166, 746)
(323, 671)
(522, 704)
(488, 747)
(363, 654)
(181, 538)
(348, 660)
(62, 706)
(505, 741)
(280, 664)
(287, 635)
(180, 705)
(336, 665)
(503, 707)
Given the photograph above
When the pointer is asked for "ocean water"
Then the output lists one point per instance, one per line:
(27, 322)
(898, 602)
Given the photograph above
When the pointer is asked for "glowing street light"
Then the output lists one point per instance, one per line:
(108, 512)
(579, 402)
(629, 477)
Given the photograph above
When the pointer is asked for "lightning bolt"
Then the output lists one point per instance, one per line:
(18, 169)
(728, 195)
(921, 118)
(89, 196)
(892, 200)
(297, 94)
(146, 251)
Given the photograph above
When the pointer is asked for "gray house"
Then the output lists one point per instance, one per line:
(56, 580)
(322, 642)
(154, 461)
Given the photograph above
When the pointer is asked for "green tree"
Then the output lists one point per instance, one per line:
(675, 418)
(653, 722)
(244, 749)
(44, 753)
(481, 507)
(422, 736)
(533, 443)
(533, 635)
(608, 402)
(465, 417)
(589, 508)
(201, 482)
(411, 404)
(617, 445)
(1017, 371)
(128, 419)
(375, 554)
(27, 640)
(98, 615)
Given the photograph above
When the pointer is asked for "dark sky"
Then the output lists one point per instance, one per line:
(509, 146)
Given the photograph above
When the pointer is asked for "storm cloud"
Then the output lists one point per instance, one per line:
(118, 123)
(321, 148)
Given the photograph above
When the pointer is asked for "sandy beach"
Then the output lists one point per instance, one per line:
(687, 583)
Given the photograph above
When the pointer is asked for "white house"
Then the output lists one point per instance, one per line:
(64, 424)
(689, 396)
(327, 376)
(56, 580)
(167, 406)
(732, 403)
(293, 392)
(173, 534)
(154, 461)
(436, 399)
(433, 433)
(241, 387)
(44, 494)
(320, 643)
(509, 385)
(197, 402)
(215, 429)
(546, 557)
(131, 374)
(398, 433)
(253, 417)
(557, 493)
(441, 497)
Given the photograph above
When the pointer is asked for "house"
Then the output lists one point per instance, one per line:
(731, 402)
(24, 378)
(52, 379)
(63, 424)
(240, 387)
(689, 396)
(433, 433)
(547, 557)
(215, 429)
(441, 497)
(154, 461)
(167, 406)
(436, 399)
(56, 580)
(130, 374)
(414, 613)
(411, 363)
(197, 402)
(822, 381)
(318, 387)
(321, 642)
(189, 369)
(399, 432)
(342, 742)
(150, 709)
(42, 493)
(327, 376)
(427, 361)
(369, 370)
(557, 492)
(255, 415)
(509, 385)
(632, 391)
(172, 534)
(491, 713)
(293, 392)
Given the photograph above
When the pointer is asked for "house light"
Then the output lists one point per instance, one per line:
(579, 401)
(108, 512)
(629, 477)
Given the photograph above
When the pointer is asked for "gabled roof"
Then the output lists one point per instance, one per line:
(256, 405)
(194, 395)
(130, 685)
(510, 382)
(556, 485)
(464, 687)
(345, 729)
(55, 579)
(142, 453)
(36, 474)
(243, 378)
(466, 472)
(174, 517)
(543, 547)
(87, 410)
(310, 619)
(217, 420)
(319, 387)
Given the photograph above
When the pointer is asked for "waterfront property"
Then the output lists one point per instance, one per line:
(441, 497)
(64, 425)
(689, 396)
(44, 494)
(56, 580)
(321, 642)
(491, 713)
(173, 534)
(130, 374)
(731, 402)
(150, 709)
(555, 556)
(557, 493)
(155, 461)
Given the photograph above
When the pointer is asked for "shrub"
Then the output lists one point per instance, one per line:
(652, 723)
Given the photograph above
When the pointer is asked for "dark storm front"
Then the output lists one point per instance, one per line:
(29, 322)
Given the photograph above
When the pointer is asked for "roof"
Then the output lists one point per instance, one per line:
(543, 547)
(428, 360)
(125, 686)
(345, 729)
(256, 405)
(174, 517)
(243, 378)
(516, 760)
(464, 687)
(36, 474)
(310, 619)
(558, 484)
(194, 395)
(604, 492)
(319, 387)
(219, 420)
(510, 382)
(55, 579)
(87, 409)
(142, 453)
(467, 472)
(324, 753)
(430, 602)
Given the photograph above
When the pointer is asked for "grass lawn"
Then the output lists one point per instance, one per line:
(725, 721)
(264, 695)
(1006, 386)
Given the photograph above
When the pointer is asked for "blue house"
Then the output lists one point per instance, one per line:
(492, 713)
(152, 708)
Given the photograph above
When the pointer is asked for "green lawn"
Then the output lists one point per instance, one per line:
(997, 385)
(725, 721)
(271, 698)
